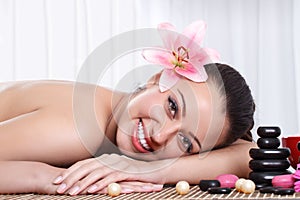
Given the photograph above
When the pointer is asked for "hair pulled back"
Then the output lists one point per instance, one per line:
(240, 105)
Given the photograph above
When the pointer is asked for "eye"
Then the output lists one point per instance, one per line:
(172, 106)
(185, 142)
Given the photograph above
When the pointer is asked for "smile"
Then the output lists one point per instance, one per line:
(139, 139)
(141, 136)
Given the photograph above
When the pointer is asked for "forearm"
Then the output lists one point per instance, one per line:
(27, 177)
(230, 160)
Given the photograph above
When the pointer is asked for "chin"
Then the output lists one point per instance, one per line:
(139, 156)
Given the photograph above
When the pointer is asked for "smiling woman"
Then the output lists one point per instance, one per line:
(141, 140)
(37, 126)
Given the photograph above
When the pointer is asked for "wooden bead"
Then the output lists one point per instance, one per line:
(248, 187)
(182, 187)
(114, 189)
(239, 183)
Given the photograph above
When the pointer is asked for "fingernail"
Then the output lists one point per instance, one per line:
(127, 190)
(58, 180)
(61, 188)
(74, 190)
(147, 187)
(158, 187)
(92, 189)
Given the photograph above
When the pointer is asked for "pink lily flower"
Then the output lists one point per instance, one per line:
(182, 55)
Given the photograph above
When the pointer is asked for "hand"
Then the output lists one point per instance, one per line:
(133, 186)
(95, 174)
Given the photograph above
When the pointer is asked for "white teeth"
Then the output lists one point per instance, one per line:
(141, 136)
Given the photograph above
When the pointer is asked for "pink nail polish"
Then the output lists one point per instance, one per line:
(61, 188)
(158, 187)
(92, 189)
(74, 190)
(58, 180)
(147, 188)
(127, 190)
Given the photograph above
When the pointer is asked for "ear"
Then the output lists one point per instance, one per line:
(154, 79)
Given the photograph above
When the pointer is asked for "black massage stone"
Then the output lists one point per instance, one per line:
(218, 190)
(268, 131)
(268, 189)
(298, 146)
(284, 191)
(260, 154)
(265, 177)
(268, 143)
(205, 184)
(269, 165)
(262, 185)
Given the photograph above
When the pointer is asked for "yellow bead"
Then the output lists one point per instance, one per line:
(182, 187)
(248, 187)
(239, 183)
(113, 189)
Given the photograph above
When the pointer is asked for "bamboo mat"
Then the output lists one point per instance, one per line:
(166, 193)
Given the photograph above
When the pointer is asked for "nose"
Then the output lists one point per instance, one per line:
(164, 134)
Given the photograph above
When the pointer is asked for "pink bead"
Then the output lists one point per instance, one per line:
(227, 180)
(285, 181)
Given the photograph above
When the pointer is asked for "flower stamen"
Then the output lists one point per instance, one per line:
(181, 56)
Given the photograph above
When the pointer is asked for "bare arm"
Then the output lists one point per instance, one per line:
(92, 173)
(233, 159)
(27, 177)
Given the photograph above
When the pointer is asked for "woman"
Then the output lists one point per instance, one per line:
(37, 127)
(141, 140)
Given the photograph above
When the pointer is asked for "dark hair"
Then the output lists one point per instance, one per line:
(240, 105)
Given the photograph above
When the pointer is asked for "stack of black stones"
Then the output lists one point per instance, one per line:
(268, 160)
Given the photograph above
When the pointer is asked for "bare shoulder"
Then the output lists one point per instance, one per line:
(244, 144)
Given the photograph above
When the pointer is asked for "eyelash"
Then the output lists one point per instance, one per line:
(172, 106)
(186, 142)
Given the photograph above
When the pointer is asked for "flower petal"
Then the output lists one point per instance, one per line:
(195, 32)
(191, 72)
(209, 56)
(168, 79)
(159, 56)
(168, 34)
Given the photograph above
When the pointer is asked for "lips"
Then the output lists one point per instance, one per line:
(140, 140)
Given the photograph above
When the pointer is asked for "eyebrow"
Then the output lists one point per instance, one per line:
(196, 139)
(183, 101)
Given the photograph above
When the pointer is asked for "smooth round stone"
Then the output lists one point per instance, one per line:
(182, 187)
(268, 189)
(227, 180)
(258, 186)
(219, 190)
(260, 154)
(268, 143)
(269, 165)
(206, 184)
(268, 131)
(265, 177)
(284, 181)
(284, 191)
(298, 146)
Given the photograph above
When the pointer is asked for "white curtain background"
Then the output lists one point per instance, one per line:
(50, 39)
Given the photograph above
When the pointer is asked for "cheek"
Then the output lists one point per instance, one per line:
(145, 104)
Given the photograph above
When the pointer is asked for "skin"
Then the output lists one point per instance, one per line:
(47, 131)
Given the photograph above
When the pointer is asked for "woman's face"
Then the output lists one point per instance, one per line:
(182, 121)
